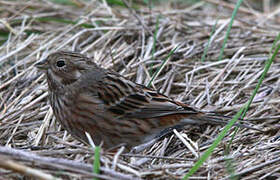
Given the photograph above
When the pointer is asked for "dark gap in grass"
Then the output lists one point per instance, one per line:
(64, 21)
(55, 19)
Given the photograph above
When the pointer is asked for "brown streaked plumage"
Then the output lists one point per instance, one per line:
(112, 109)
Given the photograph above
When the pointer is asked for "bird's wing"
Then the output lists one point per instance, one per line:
(126, 98)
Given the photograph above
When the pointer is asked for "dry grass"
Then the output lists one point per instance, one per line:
(122, 39)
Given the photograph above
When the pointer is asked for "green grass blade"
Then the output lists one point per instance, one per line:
(159, 68)
(155, 37)
(213, 146)
(274, 43)
(243, 111)
(209, 40)
(133, 4)
(96, 163)
(4, 35)
(154, 44)
(115, 3)
(64, 2)
(229, 28)
(229, 162)
(266, 68)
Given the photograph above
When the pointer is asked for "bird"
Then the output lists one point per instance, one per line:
(112, 109)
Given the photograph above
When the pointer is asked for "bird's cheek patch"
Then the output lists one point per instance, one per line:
(54, 76)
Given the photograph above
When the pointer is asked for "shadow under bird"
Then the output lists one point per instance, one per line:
(112, 109)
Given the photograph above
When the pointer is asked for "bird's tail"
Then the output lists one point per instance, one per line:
(214, 119)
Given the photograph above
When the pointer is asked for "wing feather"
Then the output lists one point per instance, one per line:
(125, 98)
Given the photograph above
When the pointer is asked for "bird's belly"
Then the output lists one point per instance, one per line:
(105, 128)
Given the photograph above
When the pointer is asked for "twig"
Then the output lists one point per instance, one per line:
(63, 163)
(22, 169)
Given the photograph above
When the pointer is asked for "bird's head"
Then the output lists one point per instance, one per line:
(64, 68)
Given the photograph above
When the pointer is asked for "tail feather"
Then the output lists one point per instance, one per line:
(214, 119)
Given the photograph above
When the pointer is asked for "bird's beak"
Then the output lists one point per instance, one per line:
(43, 65)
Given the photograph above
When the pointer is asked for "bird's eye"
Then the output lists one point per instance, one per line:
(60, 63)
